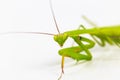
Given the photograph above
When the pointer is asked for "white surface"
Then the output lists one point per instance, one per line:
(35, 57)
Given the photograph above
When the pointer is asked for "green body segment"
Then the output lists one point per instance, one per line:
(109, 31)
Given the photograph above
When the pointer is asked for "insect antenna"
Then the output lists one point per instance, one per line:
(28, 33)
(50, 2)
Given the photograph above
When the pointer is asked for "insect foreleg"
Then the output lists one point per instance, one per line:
(79, 40)
(74, 52)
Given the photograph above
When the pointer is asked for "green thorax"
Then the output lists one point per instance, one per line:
(109, 31)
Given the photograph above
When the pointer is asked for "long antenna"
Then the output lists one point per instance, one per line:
(28, 33)
(50, 2)
(54, 16)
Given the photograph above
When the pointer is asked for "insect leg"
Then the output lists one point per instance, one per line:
(79, 40)
(81, 26)
(73, 51)
(102, 43)
(102, 38)
(89, 21)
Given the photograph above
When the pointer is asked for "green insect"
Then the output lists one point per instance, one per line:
(107, 34)
(102, 35)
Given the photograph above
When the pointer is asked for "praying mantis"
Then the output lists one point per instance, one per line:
(100, 35)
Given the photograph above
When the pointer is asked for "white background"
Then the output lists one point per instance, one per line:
(35, 57)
